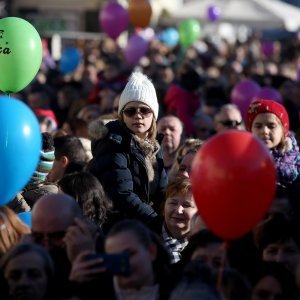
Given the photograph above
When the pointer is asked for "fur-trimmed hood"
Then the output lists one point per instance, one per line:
(121, 135)
(97, 130)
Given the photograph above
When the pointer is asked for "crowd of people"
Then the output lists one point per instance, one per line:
(113, 214)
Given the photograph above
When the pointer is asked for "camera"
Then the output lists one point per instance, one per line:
(115, 264)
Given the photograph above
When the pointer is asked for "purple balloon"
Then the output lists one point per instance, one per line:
(268, 93)
(267, 48)
(243, 93)
(213, 13)
(113, 19)
(135, 49)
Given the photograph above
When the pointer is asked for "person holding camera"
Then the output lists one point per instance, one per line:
(135, 258)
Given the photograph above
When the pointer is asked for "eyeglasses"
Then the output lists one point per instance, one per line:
(53, 238)
(131, 111)
(231, 123)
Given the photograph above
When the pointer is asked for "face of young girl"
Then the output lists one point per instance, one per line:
(268, 128)
(138, 118)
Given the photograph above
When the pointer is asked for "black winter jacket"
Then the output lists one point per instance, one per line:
(120, 165)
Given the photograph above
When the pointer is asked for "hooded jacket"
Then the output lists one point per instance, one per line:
(287, 162)
(130, 170)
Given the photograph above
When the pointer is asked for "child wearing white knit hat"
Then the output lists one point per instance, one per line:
(127, 157)
(139, 88)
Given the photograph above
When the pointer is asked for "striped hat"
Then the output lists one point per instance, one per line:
(46, 160)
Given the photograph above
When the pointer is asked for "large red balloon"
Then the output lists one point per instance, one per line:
(233, 183)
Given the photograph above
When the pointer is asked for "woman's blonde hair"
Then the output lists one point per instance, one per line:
(11, 229)
(189, 145)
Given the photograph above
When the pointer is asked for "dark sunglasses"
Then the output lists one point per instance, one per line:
(53, 237)
(231, 123)
(131, 111)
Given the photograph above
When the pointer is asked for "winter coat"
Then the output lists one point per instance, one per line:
(131, 176)
(25, 199)
(183, 104)
(287, 162)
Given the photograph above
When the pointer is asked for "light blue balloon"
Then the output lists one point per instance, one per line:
(70, 60)
(170, 37)
(20, 145)
(26, 218)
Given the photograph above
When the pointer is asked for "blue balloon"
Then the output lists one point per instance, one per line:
(170, 37)
(69, 60)
(26, 218)
(20, 146)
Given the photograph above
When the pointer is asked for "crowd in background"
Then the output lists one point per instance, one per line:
(104, 184)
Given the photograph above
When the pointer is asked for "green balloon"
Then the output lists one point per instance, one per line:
(189, 32)
(21, 54)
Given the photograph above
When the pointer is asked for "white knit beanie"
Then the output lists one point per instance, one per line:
(139, 88)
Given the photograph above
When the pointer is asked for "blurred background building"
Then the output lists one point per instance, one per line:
(74, 15)
(50, 16)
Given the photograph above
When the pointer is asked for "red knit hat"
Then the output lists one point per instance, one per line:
(46, 113)
(267, 106)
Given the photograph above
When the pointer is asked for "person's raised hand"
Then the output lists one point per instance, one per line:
(86, 267)
(79, 237)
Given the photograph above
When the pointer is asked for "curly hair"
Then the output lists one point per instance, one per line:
(89, 194)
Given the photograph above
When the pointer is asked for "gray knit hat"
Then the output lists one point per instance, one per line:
(139, 88)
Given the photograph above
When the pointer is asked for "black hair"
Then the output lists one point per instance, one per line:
(199, 239)
(75, 166)
(23, 248)
(189, 78)
(89, 194)
(276, 229)
(47, 142)
(281, 274)
(234, 284)
(69, 146)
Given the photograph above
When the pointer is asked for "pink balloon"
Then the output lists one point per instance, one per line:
(136, 48)
(243, 93)
(268, 93)
(113, 19)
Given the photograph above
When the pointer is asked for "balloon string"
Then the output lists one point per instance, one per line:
(225, 245)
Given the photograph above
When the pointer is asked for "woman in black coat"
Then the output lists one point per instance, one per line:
(127, 158)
